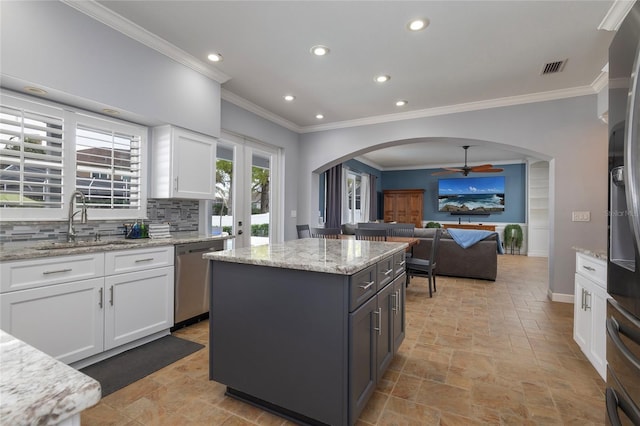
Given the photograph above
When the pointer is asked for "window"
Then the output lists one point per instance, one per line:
(31, 159)
(47, 152)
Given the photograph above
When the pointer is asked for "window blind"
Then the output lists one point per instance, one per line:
(31, 159)
(108, 167)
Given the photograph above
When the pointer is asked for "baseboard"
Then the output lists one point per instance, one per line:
(560, 297)
(538, 253)
(115, 351)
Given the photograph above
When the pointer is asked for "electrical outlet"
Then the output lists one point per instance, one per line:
(581, 216)
(294, 213)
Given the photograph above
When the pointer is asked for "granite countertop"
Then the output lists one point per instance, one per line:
(35, 249)
(36, 389)
(313, 254)
(598, 254)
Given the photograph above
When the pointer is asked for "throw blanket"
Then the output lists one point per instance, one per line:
(468, 237)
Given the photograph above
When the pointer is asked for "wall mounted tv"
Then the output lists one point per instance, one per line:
(472, 195)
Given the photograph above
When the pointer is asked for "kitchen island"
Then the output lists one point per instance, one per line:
(306, 328)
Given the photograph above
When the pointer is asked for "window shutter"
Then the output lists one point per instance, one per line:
(108, 167)
(31, 159)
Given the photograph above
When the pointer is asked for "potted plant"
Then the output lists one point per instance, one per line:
(513, 237)
(433, 225)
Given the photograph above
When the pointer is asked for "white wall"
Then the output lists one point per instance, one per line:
(566, 131)
(53, 46)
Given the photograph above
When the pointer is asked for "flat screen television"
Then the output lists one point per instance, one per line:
(471, 195)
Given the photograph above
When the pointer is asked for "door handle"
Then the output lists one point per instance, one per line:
(101, 300)
(239, 231)
(111, 295)
(378, 312)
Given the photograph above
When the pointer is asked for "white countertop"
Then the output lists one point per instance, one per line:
(35, 249)
(598, 254)
(313, 254)
(36, 389)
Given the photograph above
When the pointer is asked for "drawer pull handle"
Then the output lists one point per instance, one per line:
(101, 297)
(148, 259)
(589, 268)
(367, 286)
(403, 263)
(59, 271)
(388, 271)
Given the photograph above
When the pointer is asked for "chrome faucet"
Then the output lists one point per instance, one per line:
(71, 232)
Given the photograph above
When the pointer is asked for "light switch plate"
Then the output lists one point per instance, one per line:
(581, 216)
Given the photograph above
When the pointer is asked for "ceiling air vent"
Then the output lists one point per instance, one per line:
(553, 67)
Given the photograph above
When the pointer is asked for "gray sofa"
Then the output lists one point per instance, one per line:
(478, 261)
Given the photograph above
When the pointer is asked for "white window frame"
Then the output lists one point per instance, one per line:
(71, 117)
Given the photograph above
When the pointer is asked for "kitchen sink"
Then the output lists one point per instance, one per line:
(79, 244)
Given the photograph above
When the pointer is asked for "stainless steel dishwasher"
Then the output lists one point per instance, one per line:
(191, 299)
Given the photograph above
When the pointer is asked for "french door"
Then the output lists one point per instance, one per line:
(247, 191)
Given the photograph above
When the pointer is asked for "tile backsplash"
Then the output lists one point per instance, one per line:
(182, 215)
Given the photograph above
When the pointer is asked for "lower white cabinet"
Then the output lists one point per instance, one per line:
(74, 320)
(64, 321)
(590, 310)
(138, 304)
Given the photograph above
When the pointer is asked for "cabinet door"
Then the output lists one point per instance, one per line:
(414, 209)
(389, 207)
(64, 321)
(137, 304)
(581, 316)
(362, 357)
(384, 329)
(398, 315)
(194, 159)
(402, 208)
(597, 305)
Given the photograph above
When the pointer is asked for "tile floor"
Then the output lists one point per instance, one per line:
(477, 353)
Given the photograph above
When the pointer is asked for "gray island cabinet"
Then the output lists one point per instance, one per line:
(306, 328)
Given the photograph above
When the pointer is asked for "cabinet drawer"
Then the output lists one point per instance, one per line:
(362, 286)
(592, 268)
(399, 263)
(118, 262)
(32, 273)
(385, 272)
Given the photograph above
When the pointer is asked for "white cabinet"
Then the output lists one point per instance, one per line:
(183, 164)
(590, 310)
(65, 321)
(73, 307)
(138, 303)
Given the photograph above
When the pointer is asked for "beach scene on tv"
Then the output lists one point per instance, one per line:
(471, 195)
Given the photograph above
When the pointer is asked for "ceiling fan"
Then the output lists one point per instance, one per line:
(465, 170)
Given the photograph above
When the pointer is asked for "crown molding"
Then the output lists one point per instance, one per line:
(616, 14)
(600, 82)
(101, 14)
(452, 109)
(259, 111)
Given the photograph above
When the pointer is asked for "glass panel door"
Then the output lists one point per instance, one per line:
(245, 193)
(260, 197)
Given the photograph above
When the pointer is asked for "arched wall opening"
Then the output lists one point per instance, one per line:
(565, 132)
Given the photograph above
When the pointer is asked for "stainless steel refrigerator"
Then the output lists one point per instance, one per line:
(623, 270)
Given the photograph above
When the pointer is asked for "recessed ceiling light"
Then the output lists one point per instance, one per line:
(320, 50)
(382, 78)
(401, 103)
(35, 90)
(319, 116)
(215, 57)
(111, 111)
(418, 24)
(289, 98)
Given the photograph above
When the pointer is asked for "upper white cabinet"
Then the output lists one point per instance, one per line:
(183, 164)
